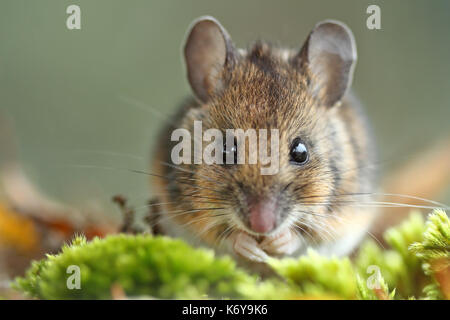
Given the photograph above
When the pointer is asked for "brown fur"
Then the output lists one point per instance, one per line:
(263, 90)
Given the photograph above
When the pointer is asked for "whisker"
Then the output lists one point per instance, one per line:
(164, 177)
(167, 215)
(441, 205)
(147, 108)
(299, 234)
(209, 227)
(296, 224)
(140, 172)
(414, 198)
(108, 153)
(173, 202)
(186, 170)
(201, 218)
(321, 227)
(224, 235)
(346, 220)
(371, 205)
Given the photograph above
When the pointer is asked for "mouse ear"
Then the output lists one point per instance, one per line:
(208, 50)
(329, 56)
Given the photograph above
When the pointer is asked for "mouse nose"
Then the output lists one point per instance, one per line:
(262, 215)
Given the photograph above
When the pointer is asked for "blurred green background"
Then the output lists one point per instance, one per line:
(98, 95)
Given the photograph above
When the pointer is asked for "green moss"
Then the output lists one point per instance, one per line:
(399, 268)
(141, 265)
(161, 267)
(434, 252)
(436, 238)
(317, 276)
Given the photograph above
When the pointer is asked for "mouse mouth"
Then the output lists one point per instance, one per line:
(259, 236)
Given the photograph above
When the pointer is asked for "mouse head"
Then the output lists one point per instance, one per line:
(294, 92)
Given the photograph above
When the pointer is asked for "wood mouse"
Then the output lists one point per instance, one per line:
(326, 149)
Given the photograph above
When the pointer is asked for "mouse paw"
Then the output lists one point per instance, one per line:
(285, 243)
(248, 247)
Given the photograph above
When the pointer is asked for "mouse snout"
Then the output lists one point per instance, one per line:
(262, 215)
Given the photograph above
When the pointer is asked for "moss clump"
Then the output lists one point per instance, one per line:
(141, 265)
(317, 276)
(434, 251)
(415, 266)
(399, 267)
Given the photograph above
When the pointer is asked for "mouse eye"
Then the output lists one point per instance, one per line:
(230, 152)
(298, 153)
